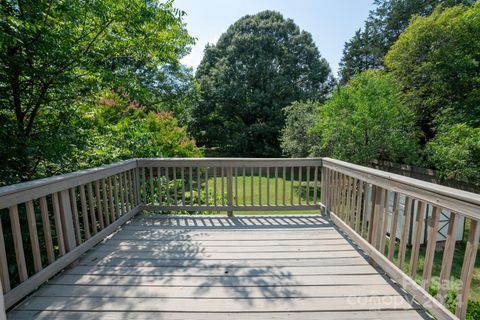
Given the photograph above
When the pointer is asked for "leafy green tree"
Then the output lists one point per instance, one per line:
(118, 128)
(297, 140)
(367, 48)
(436, 62)
(53, 54)
(455, 151)
(260, 65)
(366, 120)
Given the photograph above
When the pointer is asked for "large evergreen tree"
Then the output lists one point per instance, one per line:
(260, 65)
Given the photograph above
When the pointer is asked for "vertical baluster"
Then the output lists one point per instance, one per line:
(144, 187)
(308, 186)
(343, 197)
(58, 223)
(111, 198)
(365, 207)
(358, 206)
(244, 188)
(3, 262)
(431, 245)
(122, 194)
(83, 202)
(448, 253)
(421, 210)
(407, 214)
(215, 186)
(167, 188)
(300, 173)
(132, 188)
(32, 228)
(276, 186)
(18, 243)
(251, 186)
(126, 190)
(384, 224)
(260, 186)
(91, 206)
(199, 185)
(76, 221)
(182, 178)
(468, 268)
(190, 177)
(152, 190)
(206, 187)
(284, 186)
(315, 186)
(105, 202)
(99, 204)
(394, 224)
(116, 196)
(159, 186)
(376, 202)
(229, 191)
(236, 186)
(268, 186)
(292, 174)
(348, 201)
(223, 186)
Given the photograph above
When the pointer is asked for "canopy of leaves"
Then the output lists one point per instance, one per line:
(54, 54)
(384, 25)
(366, 120)
(297, 140)
(455, 151)
(260, 65)
(437, 63)
(119, 129)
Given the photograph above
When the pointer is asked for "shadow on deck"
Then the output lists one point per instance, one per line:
(212, 267)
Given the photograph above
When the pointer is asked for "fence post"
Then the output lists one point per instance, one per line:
(229, 192)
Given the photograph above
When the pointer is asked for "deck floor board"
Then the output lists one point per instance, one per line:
(213, 267)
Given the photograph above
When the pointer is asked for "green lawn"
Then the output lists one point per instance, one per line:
(260, 187)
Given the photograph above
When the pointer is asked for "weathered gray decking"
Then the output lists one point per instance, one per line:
(271, 267)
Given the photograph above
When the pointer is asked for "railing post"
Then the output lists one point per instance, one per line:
(229, 192)
(67, 220)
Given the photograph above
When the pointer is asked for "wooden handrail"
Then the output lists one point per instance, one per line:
(83, 207)
(362, 201)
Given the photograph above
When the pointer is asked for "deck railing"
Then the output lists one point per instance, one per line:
(381, 211)
(48, 224)
(230, 184)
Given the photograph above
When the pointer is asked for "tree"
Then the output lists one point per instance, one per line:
(454, 153)
(297, 139)
(118, 128)
(436, 62)
(383, 26)
(260, 65)
(366, 120)
(55, 53)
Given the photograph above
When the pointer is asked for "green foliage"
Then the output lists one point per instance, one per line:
(55, 54)
(260, 65)
(297, 140)
(366, 120)
(120, 129)
(455, 151)
(436, 61)
(369, 45)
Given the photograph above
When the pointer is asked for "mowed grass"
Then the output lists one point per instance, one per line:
(263, 193)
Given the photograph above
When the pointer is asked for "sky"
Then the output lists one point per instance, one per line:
(331, 22)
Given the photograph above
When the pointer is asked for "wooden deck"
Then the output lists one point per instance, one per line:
(211, 267)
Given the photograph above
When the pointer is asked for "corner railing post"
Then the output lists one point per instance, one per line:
(323, 192)
(229, 192)
(3, 312)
